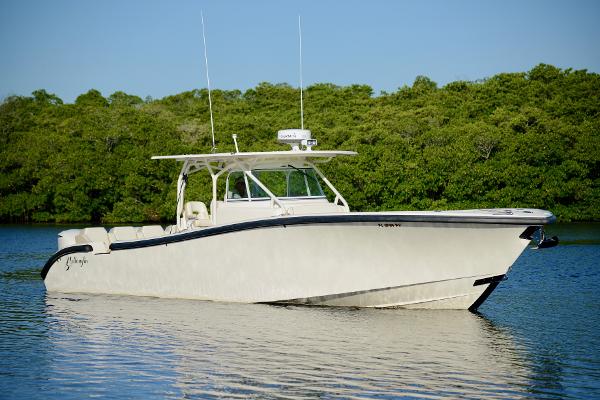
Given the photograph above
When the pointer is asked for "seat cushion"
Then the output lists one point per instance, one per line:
(123, 233)
(93, 234)
(150, 231)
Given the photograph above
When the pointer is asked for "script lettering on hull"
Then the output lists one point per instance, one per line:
(73, 261)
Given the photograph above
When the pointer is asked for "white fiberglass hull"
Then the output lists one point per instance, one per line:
(342, 262)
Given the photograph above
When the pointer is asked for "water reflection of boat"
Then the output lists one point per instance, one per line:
(197, 349)
(275, 237)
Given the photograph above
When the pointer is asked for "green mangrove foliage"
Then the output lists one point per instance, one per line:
(513, 140)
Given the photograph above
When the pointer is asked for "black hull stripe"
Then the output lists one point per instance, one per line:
(486, 293)
(325, 219)
(84, 248)
(302, 220)
(497, 278)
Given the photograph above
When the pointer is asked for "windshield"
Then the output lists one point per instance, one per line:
(284, 183)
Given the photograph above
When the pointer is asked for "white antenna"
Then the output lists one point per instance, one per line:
(301, 100)
(234, 136)
(212, 124)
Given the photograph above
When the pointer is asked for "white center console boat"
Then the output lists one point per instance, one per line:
(274, 236)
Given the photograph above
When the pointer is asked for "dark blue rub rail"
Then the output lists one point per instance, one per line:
(303, 220)
(329, 219)
(83, 248)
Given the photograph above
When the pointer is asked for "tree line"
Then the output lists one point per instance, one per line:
(528, 139)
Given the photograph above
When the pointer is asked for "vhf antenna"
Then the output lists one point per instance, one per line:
(301, 100)
(212, 124)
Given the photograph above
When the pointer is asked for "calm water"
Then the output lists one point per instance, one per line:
(538, 336)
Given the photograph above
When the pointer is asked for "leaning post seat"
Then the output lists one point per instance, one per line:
(196, 214)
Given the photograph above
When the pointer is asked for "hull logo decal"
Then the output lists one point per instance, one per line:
(73, 261)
